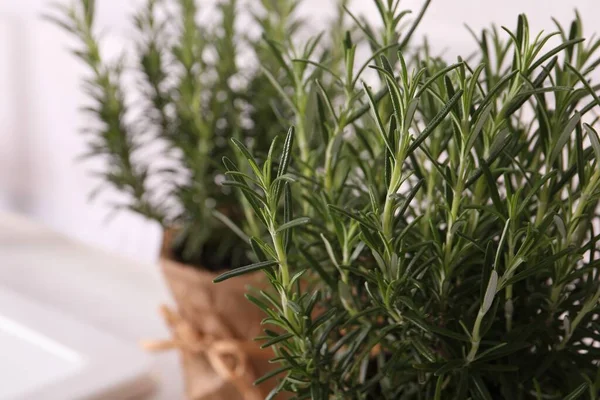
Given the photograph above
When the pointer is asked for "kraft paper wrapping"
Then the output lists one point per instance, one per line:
(216, 316)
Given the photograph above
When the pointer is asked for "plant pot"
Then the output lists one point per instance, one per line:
(213, 329)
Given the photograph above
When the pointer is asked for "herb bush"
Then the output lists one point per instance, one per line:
(196, 86)
(443, 245)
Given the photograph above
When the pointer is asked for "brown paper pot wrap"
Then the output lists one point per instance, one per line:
(216, 317)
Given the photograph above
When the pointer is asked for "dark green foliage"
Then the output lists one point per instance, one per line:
(445, 244)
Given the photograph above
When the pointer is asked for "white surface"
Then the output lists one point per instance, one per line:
(47, 355)
(112, 294)
(29, 360)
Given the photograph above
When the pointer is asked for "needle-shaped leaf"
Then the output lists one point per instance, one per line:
(353, 216)
(501, 244)
(377, 118)
(366, 107)
(272, 374)
(448, 367)
(371, 58)
(414, 25)
(253, 198)
(564, 137)
(330, 252)
(519, 100)
(257, 248)
(473, 83)
(288, 215)
(553, 52)
(579, 155)
(268, 165)
(247, 191)
(321, 66)
(410, 111)
(498, 145)
(435, 121)
(244, 270)
(284, 162)
(293, 223)
(230, 224)
(560, 225)
(362, 27)
(587, 85)
(480, 386)
(482, 119)
(493, 187)
(244, 150)
(439, 388)
(491, 95)
(393, 88)
(488, 266)
(276, 340)
(524, 95)
(410, 196)
(279, 88)
(594, 140)
(443, 72)
(423, 349)
(577, 392)
(534, 190)
(327, 100)
(490, 292)
(315, 265)
(278, 54)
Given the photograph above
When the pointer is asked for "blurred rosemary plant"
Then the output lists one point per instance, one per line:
(193, 97)
(444, 244)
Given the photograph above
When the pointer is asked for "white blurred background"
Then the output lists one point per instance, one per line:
(40, 95)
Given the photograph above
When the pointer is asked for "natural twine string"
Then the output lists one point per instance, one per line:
(228, 357)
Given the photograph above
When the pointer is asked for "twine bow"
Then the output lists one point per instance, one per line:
(228, 357)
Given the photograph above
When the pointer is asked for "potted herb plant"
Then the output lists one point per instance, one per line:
(163, 140)
(444, 246)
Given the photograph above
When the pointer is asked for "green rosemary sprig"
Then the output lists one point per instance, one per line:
(114, 138)
(452, 247)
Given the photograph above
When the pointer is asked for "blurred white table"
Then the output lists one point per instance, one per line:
(111, 293)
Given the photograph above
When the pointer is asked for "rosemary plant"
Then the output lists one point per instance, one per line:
(192, 97)
(443, 245)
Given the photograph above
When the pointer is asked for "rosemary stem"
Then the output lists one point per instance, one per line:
(388, 209)
(475, 337)
(285, 273)
(453, 217)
